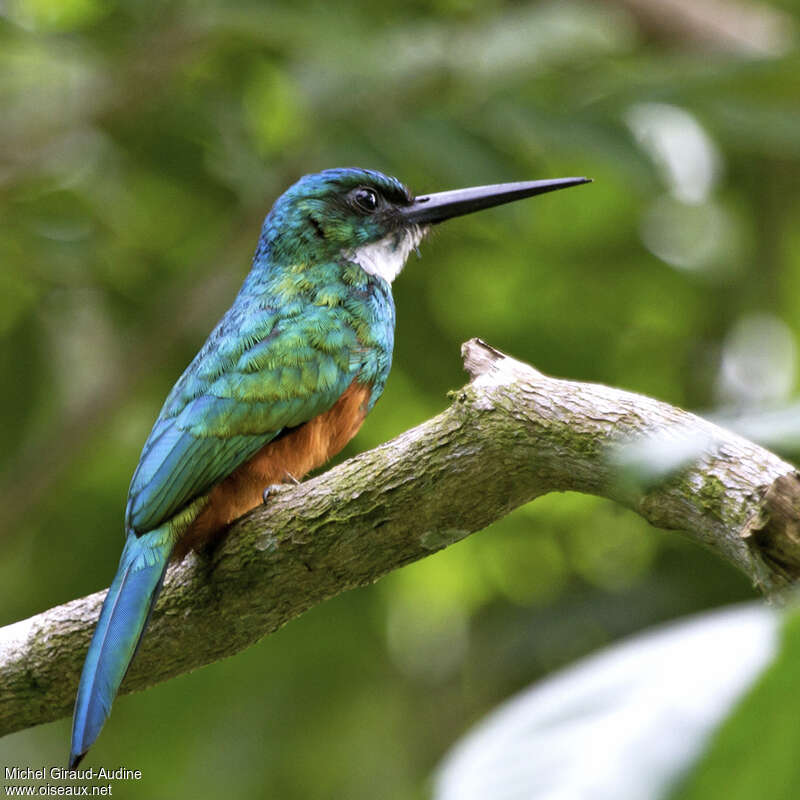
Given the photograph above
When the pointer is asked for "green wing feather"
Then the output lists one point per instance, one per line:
(258, 373)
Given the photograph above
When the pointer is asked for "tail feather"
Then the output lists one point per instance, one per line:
(123, 619)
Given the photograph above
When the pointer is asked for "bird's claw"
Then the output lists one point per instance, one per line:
(268, 491)
(287, 478)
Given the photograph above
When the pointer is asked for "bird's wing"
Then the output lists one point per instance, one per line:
(258, 373)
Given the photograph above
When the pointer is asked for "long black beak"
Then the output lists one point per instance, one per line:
(432, 208)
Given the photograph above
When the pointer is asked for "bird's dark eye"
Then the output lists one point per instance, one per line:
(366, 199)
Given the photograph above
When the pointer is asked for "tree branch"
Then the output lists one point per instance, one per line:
(510, 435)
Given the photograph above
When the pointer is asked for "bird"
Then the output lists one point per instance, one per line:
(281, 385)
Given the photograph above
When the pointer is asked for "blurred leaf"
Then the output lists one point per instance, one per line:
(272, 106)
(58, 15)
(761, 738)
(624, 723)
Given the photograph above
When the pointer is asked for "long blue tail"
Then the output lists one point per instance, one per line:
(126, 611)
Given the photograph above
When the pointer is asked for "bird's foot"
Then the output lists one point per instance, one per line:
(268, 491)
(288, 478)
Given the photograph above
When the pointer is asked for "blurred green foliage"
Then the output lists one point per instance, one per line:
(760, 737)
(140, 146)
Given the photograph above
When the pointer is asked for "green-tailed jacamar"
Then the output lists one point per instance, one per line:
(282, 384)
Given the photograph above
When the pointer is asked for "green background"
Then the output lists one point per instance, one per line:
(140, 147)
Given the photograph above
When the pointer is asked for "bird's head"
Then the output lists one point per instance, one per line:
(371, 219)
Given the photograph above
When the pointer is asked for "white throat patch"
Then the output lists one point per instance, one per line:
(386, 257)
